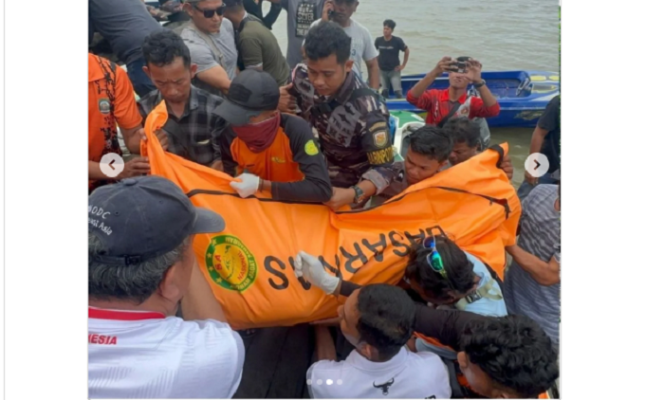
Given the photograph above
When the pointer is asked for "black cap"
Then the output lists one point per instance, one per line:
(141, 218)
(251, 93)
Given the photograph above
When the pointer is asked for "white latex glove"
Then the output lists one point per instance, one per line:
(312, 270)
(248, 186)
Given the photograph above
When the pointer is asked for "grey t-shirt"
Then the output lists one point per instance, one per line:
(301, 14)
(361, 46)
(204, 56)
(540, 236)
(124, 23)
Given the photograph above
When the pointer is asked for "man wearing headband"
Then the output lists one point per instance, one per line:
(270, 151)
(141, 265)
(211, 41)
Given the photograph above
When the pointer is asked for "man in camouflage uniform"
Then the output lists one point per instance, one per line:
(350, 118)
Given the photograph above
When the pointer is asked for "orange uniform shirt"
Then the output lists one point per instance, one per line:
(273, 164)
(111, 102)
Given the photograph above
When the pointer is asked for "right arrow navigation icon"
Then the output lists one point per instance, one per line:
(537, 164)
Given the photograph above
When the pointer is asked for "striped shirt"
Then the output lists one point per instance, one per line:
(540, 236)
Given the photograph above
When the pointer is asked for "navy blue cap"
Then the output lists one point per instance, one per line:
(141, 218)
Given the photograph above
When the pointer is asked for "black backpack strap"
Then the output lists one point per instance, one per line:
(501, 154)
(457, 391)
(364, 92)
(449, 115)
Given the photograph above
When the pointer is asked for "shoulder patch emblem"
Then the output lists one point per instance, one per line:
(104, 106)
(380, 139)
(310, 148)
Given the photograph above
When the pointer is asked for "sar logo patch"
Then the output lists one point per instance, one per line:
(230, 264)
(310, 148)
(104, 106)
(380, 139)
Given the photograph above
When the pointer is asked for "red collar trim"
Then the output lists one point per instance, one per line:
(100, 313)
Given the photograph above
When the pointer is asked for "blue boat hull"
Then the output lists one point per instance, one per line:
(522, 95)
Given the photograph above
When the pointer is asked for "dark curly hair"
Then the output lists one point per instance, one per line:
(325, 39)
(430, 141)
(387, 315)
(514, 351)
(162, 47)
(464, 130)
(459, 269)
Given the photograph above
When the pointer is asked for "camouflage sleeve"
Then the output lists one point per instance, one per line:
(302, 89)
(376, 143)
(396, 186)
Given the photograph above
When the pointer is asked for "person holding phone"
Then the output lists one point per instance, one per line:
(441, 105)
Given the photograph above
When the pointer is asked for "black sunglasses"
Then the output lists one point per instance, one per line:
(210, 13)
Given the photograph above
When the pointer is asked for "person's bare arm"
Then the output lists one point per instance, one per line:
(405, 60)
(346, 196)
(199, 303)
(215, 77)
(135, 167)
(374, 73)
(325, 349)
(424, 83)
(487, 97)
(218, 165)
(537, 140)
(475, 75)
(94, 171)
(544, 273)
(132, 138)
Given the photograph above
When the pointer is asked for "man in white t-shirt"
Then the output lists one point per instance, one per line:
(362, 45)
(377, 320)
(141, 266)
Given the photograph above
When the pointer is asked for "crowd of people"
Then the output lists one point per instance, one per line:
(303, 127)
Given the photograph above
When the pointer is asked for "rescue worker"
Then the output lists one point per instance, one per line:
(111, 104)
(350, 118)
(271, 151)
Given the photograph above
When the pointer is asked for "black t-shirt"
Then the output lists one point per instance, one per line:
(550, 122)
(388, 57)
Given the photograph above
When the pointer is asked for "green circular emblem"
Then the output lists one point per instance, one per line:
(230, 264)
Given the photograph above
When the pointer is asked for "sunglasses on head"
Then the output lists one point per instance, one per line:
(210, 13)
(433, 258)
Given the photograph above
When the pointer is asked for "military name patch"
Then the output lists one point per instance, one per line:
(380, 157)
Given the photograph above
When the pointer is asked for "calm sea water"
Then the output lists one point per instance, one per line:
(503, 35)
